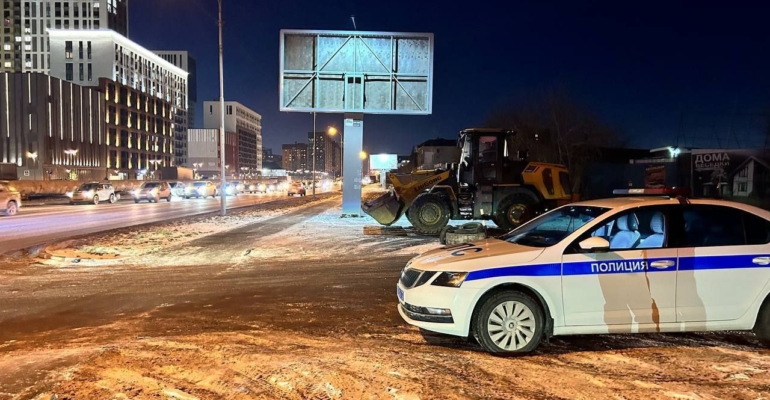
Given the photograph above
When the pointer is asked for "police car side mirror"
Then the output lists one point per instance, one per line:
(595, 244)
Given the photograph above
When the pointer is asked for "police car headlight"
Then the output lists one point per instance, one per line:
(450, 279)
(438, 311)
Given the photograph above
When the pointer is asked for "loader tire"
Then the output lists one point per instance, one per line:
(429, 213)
(514, 210)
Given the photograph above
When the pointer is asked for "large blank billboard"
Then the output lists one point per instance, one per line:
(356, 72)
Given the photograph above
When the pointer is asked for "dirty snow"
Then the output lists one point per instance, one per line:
(299, 327)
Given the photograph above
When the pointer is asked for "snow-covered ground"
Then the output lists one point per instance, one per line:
(327, 234)
(143, 240)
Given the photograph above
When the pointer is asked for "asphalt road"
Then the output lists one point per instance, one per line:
(41, 224)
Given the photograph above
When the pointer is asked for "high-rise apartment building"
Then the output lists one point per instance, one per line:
(204, 152)
(24, 44)
(85, 56)
(271, 160)
(324, 152)
(295, 157)
(139, 130)
(185, 119)
(52, 129)
(246, 123)
(143, 93)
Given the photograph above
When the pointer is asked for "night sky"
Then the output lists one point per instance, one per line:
(645, 69)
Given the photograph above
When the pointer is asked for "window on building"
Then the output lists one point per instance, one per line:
(89, 50)
(229, 110)
(90, 72)
(77, 24)
(70, 71)
(81, 73)
(96, 24)
(68, 49)
(80, 50)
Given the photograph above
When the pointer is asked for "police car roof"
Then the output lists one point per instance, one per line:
(627, 202)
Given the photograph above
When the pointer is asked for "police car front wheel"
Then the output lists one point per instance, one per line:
(509, 323)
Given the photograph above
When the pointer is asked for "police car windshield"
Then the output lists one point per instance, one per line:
(553, 227)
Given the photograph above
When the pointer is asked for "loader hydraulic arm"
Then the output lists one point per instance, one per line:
(389, 207)
(407, 192)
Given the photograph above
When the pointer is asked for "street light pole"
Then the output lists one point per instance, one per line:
(315, 139)
(223, 196)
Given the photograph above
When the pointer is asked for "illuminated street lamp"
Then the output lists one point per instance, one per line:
(155, 163)
(363, 155)
(333, 131)
(71, 153)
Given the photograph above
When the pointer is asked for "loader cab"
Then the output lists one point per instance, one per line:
(489, 158)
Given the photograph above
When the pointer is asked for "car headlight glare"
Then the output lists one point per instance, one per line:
(450, 279)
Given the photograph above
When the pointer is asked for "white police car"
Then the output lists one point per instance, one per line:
(619, 265)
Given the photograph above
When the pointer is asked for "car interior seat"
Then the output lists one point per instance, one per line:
(655, 241)
(628, 234)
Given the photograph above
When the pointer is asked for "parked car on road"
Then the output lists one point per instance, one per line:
(152, 192)
(93, 192)
(177, 188)
(618, 265)
(231, 189)
(10, 199)
(296, 188)
(200, 189)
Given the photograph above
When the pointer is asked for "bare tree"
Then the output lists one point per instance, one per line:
(554, 128)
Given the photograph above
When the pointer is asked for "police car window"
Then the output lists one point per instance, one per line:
(757, 229)
(640, 228)
(712, 226)
(553, 227)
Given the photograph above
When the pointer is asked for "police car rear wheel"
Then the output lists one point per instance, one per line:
(762, 327)
(509, 323)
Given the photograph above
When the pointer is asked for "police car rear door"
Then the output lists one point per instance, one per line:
(725, 262)
(633, 282)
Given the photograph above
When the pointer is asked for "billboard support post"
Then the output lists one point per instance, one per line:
(351, 182)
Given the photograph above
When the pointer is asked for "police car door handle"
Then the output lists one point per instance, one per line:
(761, 261)
(662, 264)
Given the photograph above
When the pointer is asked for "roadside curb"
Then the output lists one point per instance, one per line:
(49, 250)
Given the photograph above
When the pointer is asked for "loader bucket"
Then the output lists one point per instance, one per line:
(385, 209)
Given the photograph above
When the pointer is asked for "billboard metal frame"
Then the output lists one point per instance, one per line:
(316, 73)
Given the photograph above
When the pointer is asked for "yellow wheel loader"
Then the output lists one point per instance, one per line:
(490, 181)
